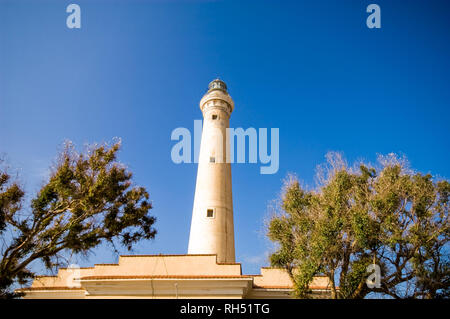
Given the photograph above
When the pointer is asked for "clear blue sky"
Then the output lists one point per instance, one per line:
(137, 70)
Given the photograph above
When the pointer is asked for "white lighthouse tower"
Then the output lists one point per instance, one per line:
(212, 228)
(211, 242)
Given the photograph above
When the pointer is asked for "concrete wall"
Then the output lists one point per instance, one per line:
(166, 276)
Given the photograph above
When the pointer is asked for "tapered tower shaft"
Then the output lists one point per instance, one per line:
(212, 227)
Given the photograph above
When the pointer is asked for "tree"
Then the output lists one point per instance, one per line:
(88, 199)
(386, 215)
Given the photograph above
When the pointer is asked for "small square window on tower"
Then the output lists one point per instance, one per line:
(212, 159)
(214, 117)
(210, 213)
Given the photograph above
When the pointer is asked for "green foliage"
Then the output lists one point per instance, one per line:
(386, 215)
(88, 199)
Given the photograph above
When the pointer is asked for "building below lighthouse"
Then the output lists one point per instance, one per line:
(209, 270)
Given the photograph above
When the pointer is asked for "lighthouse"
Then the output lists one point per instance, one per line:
(211, 254)
(212, 227)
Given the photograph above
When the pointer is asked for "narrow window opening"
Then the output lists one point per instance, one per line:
(212, 159)
(210, 213)
(214, 117)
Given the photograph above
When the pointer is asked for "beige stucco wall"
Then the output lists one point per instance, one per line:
(275, 277)
(144, 265)
(64, 278)
(166, 276)
(163, 265)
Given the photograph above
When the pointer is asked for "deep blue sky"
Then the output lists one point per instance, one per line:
(137, 70)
